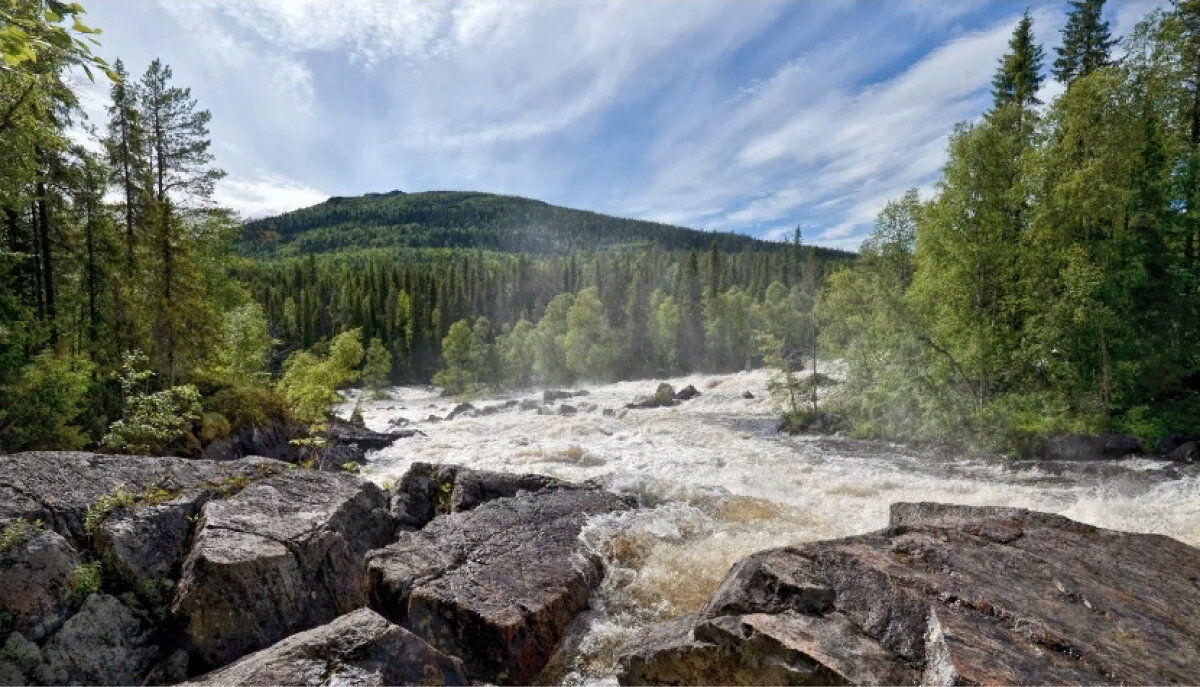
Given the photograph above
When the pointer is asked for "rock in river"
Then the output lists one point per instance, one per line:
(428, 489)
(359, 648)
(945, 595)
(283, 555)
(496, 585)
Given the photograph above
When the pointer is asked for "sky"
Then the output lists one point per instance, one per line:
(735, 115)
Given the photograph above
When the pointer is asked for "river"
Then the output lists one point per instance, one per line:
(717, 482)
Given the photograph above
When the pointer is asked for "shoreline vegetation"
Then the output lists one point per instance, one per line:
(1050, 285)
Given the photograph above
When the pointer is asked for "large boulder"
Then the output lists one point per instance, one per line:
(429, 489)
(35, 578)
(664, 397)
(687, 393)
(945, 595)
(360, 648)
(496, 585)
(105, 643)
(283, 555)
(60, 488)
(273, 440)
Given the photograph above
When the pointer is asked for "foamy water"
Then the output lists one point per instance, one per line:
(716, 482)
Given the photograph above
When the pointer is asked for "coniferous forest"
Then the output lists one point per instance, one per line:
(1050, 284)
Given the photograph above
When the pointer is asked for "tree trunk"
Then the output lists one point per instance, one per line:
(47, 263)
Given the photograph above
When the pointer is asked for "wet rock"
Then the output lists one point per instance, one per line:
(359, 648)
(565, 409)
(346, 433)
(428, 490)
(281, 556)
(1104, 446)
(687, 393)
(462, 409)
(945, 595)
(608, 412)
(1188, 452)
(530, 404)
(497, 585)
(1166, 445)
(58, 488)
(398, 422)
(748, 395)
(552, 395)
(273, 440)
(663, 397)
(105, 643)
(35, 580)
(433, 418)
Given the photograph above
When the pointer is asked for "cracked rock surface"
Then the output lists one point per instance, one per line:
(281, 556)
(359, 648)
(945, 595)
(496, 585)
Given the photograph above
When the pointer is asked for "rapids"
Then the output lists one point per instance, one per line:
(716, 482)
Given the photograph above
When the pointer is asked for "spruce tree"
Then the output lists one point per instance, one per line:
(1086, 44)
(1019, 76)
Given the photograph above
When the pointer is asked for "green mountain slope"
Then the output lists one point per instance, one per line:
(457, 219)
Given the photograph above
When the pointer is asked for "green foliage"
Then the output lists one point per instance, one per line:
(153, 422)
(1086, 43)
(17, 532)
(460, 219)
(311, 380)
(377, 367)
(246, 342)
(103, 507)
(85, 580)
(1019, 75)
(43, 407)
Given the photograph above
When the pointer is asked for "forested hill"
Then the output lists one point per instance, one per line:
(458, 219)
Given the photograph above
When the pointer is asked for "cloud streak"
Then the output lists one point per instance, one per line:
(743, 116)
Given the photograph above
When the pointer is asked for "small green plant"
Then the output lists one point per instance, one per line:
(18, 532)
(444, 491)
(351, 466)
(230, 485)
(103, 507)
(85, 580)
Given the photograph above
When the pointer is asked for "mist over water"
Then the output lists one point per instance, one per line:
(716, 482)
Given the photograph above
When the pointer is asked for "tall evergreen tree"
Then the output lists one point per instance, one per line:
(1019, 75)
(1087, 43)
(177, 136)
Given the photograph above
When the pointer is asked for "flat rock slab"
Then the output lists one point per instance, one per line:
(359, 648)
(59, 487)
(945, 595)
(496, 585)
(281, 556)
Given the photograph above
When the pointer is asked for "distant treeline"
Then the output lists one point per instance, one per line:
(410, 298)
(452, 219)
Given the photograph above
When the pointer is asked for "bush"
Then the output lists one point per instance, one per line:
(41, 409)
(85, 580)
(154, 422)
(18, 532)
(213, 426)
(247, 405)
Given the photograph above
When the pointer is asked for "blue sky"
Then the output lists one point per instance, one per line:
(737, 115)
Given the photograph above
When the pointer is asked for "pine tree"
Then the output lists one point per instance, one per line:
(1019, 76)
(1086, 44)
(177, 136)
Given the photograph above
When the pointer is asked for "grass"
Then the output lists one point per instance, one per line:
(17, 533)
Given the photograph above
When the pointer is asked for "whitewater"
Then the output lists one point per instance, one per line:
(715, 481)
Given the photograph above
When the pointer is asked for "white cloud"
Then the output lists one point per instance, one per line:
(265, 194)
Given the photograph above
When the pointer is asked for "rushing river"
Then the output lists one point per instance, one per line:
(717, 482)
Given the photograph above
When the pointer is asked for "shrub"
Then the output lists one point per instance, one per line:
(153, 422)
(85, 580)
(18, 532)
(41, 409)
(213, 426)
